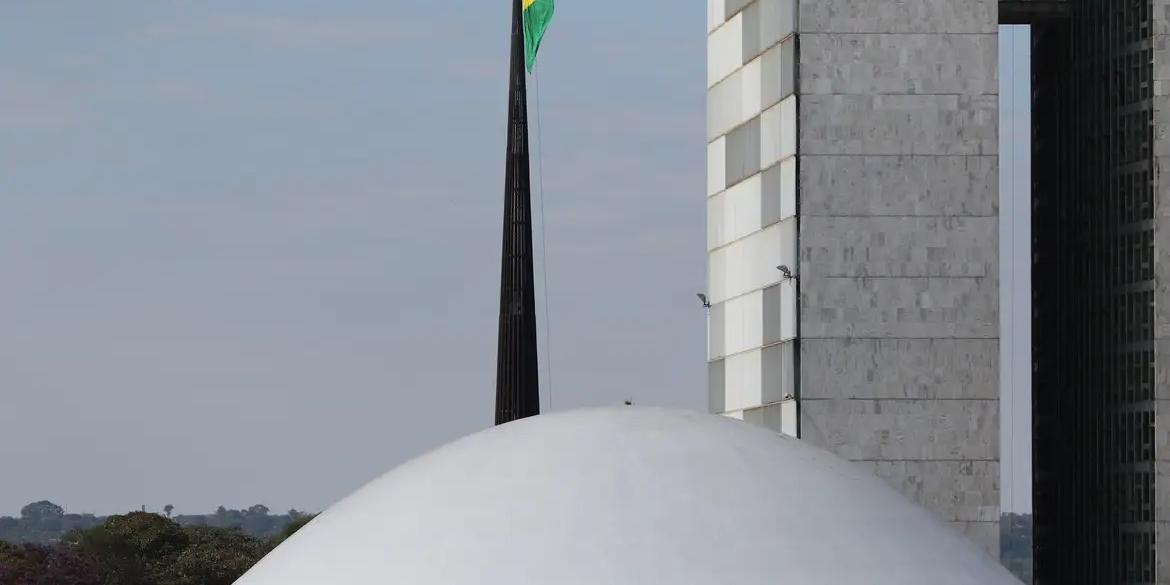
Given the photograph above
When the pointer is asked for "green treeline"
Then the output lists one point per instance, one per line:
(45, 522)
(45, 546)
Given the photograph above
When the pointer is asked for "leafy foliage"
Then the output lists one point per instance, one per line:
(45, 522)
(133, 549)
(141, 548)
(255, 520)
(31, 564)
(1015, 544)
(213, 556)
(42, 510)
(292, 527)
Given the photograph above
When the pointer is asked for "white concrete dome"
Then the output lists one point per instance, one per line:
(621, 496)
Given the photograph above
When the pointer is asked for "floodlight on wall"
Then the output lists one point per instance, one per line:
(785, 270)
(703, 299)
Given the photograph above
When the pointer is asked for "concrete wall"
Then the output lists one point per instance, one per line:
(898, 237)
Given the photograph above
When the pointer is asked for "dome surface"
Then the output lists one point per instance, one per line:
(634, 496)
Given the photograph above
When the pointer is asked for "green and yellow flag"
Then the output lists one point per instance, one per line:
(537, 15)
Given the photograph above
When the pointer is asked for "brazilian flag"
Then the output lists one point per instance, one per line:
(537, 15)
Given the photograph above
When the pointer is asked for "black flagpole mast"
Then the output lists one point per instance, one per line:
(517, 384)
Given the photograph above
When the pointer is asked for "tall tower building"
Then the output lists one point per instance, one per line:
(1101, 292)
(853, 146)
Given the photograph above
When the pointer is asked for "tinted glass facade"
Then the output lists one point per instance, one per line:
(1094, 294)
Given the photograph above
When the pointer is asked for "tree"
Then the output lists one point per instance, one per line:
(64, 566)
(257, 521)
(291, 528)
(38, 511)
(9, 530)
(1016, 544)
(42, 525)
(148, 549)
(15, 564)
(213, 556)
(140, 548)
(132, 549)
(32, 564)
(41, 522)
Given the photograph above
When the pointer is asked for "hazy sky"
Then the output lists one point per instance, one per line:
(250, 251)
(1015, 268)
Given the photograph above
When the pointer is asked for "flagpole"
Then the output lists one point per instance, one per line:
(517, 378)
